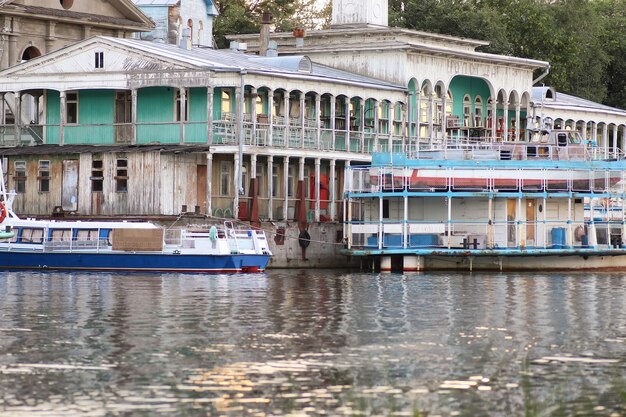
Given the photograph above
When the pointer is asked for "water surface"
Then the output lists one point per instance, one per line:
(313, 343)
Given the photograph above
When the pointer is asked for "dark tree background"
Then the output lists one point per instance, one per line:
(583, 40)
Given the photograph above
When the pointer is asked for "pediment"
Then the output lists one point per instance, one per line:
(123, 13)
(83, 58)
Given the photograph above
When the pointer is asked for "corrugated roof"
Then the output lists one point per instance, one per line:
(540, 95)
(36, 10)
(229, 60)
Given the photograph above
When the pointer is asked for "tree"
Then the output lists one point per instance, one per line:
(244, 16)
(582, 39)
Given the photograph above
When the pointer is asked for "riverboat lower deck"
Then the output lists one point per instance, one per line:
(488, 212)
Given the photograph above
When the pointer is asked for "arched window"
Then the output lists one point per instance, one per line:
(478, 112)
(467, 111)
(66, 4)
(30, 53)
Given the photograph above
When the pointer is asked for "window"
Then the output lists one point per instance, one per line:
(31, 235)
(121, 176)
(291, 183)
(467, 112)
(225, 178)
(259, 179)
(99, 60)
(226, 102)
(478, 112)
(44, 176)
(66, 4)
(385, 208)
(275, 181)
(97, 176)
(179, 107)
(20, 176)
(71, 108)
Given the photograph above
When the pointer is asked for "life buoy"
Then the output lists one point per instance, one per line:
(3, 211)
(304, 239)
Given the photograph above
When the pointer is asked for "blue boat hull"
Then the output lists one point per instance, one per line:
(146, 262)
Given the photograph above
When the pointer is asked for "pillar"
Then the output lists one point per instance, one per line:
(385, 264)
(270, 187)
(237, 190)
(133, 115)
(302, 113)
(505, 121)
(287, 118)
(286, 187)
(333, 122)
(362, 125)
(412, 263)
(270, 118)
(332, 191)
(318, 125)
(209, 114)
(317, 188)
(183, 113)
(209, 184)
(62, 108)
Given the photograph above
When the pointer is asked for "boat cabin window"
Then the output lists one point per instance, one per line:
(574, 138)
(87, 234)
(561, 139)
(28, 235)
(60, 235)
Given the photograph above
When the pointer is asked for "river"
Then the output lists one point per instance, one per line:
(313, 343)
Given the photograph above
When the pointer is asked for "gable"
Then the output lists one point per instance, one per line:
(97, 13)
(81, 58)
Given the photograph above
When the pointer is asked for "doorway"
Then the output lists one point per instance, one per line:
(69, 188)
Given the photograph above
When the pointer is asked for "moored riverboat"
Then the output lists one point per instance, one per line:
(126, 246)
(532, 204)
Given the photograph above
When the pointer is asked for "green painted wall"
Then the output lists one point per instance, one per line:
(53, 116)
(195, 130)
(156, 105)
(95, 119)
(462, 85)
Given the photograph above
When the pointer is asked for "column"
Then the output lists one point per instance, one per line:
(254, 95)
(209, 114)
(287, 117)
(376, 126)
(494, 118)
(62, 109)
(286, 187)
(318, 127)
(317, 188)
(133, 115)
(418, 115)
(332, 190)
(362, 125)
(270, 187)
(333, 103)
(444, 115)
(302, 113)
(505, 121)
(183, 113)
(430, 118)
(270, 117)
(18, 118)
(238, 164)
(518, 111)
(50, 36)
(346, 112)
(209, 184)
(403, 126)
(605, 140)
(381, 226)
(615, 142)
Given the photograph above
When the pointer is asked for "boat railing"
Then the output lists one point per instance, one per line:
(391, 178)
(482, 235)
(61, 244)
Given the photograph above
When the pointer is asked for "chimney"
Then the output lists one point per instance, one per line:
(265, 33)
(298, 33)
(272, 49)
(185, 40)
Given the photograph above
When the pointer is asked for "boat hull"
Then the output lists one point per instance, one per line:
(133, 262)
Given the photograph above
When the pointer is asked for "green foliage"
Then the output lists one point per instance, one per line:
(582, 39)
(244, 16)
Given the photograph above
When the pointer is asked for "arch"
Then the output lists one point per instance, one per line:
(30, 53)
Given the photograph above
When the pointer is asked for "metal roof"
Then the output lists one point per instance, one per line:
(548, 96)
(230, 60)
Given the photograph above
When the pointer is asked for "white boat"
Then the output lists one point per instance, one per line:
(125, 245)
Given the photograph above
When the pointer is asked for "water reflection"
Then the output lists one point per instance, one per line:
(313, 343)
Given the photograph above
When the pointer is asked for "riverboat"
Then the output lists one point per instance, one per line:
(483, 203)
(126, 246)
